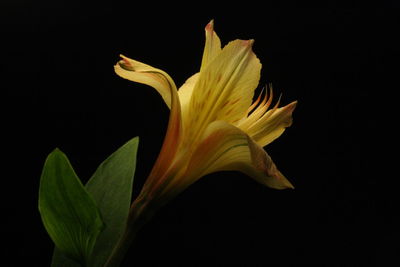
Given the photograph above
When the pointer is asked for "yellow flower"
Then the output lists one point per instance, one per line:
(213, 125)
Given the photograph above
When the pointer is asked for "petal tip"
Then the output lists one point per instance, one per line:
(210, 26)
(289, 185)
(125, 64)
(248, 43)
(281, 182)
(123, 57)
(293, 105)
(290, 107)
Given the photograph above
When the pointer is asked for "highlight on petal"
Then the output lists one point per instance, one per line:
(225, 147)
(142, 73)
(225, 88)
(212, 46)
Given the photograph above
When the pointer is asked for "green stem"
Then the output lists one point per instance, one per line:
(138, 216)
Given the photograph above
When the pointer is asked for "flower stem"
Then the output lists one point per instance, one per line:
(138, 216)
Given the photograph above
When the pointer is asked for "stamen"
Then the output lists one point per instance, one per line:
(271, 96)
(263, 107)
(251, 108)
(277, 103)
(272, 111)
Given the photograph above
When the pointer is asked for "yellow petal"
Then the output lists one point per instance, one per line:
(225, 147)
(186, 90)
(139, 72)
(225, 88)
(162, 82)
(185, 93)
(212, 46)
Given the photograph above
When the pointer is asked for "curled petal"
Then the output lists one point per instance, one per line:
(225, 147)
(139, 72)
(142, 73)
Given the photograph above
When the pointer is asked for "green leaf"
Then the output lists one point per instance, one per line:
(68, 212)
(111, 188)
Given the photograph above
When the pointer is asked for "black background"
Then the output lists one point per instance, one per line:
(59, 90)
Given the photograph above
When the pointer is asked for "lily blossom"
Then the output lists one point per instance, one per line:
(213, 124)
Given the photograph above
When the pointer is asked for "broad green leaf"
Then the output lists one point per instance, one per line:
(68, 212)
(111, 188)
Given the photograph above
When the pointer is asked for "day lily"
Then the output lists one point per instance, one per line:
(213, 124)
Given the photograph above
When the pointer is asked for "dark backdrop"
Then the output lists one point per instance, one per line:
(60, 91)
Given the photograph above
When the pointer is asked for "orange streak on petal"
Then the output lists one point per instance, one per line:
(235, 101)
(225, 104)
(169, 148)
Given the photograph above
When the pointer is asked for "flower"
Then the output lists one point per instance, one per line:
(213, 125)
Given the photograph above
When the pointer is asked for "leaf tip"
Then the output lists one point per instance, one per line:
(56, 151)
